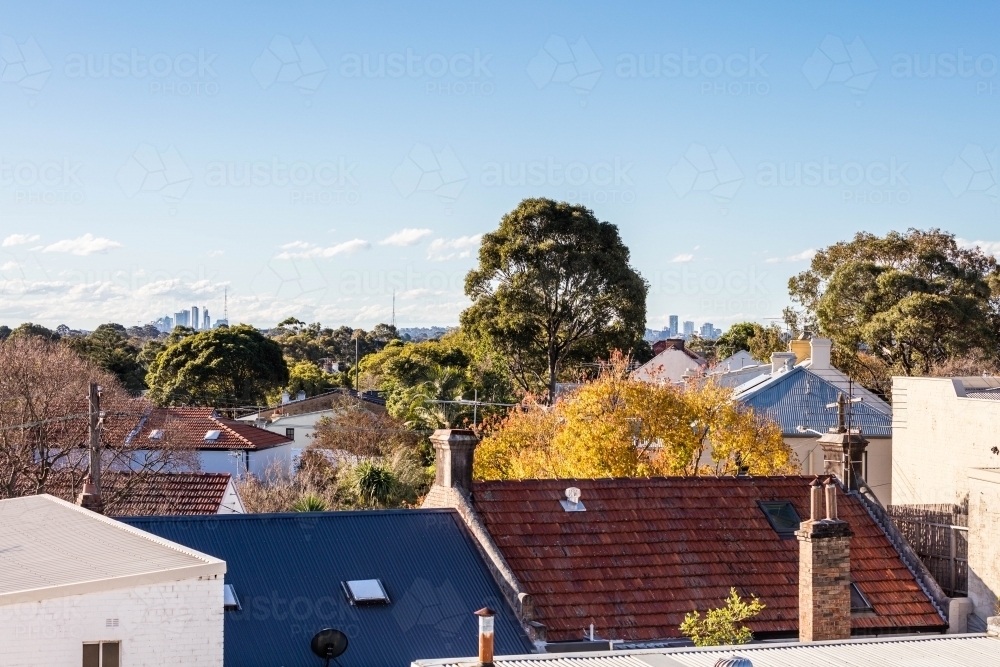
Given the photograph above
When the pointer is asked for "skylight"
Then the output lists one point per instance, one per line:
(365, 591)
(212, 435)
(782, 517)
(156, 434)
(859, 603)
(231, 602)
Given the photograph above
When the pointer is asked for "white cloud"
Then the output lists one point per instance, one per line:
(803, 256)
(305, 250)
(9, 266)
(684, 257)
(19, 239)
(87, 244)
(444, 249)
(217, 253)
(406, 237)
(988, 247)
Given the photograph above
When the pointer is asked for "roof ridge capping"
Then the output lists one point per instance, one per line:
(582, 656)
(209, 565)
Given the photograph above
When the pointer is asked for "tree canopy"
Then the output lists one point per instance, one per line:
(553, 285)
(618, 427)
(908, 301)
(226, 366)
(312, 342)
(110, 348)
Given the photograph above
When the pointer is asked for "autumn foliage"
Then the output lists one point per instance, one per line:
(619, 427)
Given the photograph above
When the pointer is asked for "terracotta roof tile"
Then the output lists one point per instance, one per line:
(158, 494)
(188, 427)
(647, 551)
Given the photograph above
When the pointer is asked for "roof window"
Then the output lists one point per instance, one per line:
(213, 435)
(231, 602)
(782, 517)
(365, 591)
(156, 434)
(859, 603)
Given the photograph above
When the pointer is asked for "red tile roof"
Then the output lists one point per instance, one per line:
(157, 494)
(647, 551)
(188, 426)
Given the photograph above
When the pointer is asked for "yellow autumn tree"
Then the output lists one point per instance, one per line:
(618, 427)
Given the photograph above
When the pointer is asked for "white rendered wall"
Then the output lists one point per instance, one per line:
(984, 541)
(938, 435)
(178, 623)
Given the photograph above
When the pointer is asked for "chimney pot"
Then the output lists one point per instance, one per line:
(831, 501)
(485, 635)
(820, 349)
(90, 498)
(815, 499)
(454, 449)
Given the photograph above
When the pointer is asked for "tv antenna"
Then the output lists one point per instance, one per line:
(225, 305)
(393, 323)
(329, 644)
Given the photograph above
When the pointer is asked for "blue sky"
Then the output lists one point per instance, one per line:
(312, 158)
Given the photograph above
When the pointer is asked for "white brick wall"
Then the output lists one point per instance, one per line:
(984, 541)
(180, 623)
(937, 436)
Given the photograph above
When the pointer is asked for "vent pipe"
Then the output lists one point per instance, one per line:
(485, 635)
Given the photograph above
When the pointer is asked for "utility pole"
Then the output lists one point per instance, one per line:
(357, 371)
(90, 496)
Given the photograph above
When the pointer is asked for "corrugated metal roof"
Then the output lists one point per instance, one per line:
(287, 571)
(50, 548)
(799, 398)
(940, 651)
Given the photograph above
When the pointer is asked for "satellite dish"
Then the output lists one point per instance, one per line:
(329, 644)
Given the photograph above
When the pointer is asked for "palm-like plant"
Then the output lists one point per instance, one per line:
(375, 483)
(310, 502)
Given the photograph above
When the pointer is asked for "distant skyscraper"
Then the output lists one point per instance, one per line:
(707, 331)
(206, 321)
(673, 326)
(688, 329)
(165, 324)
(181, 318)
(195, 321)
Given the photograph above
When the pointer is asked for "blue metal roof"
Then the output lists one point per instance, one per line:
(287, 571)
(799, 397)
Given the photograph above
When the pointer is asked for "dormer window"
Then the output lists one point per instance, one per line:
(212, 436)
(782, 517)
(156, 434)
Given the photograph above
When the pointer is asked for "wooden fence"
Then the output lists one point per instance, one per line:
(940, 536)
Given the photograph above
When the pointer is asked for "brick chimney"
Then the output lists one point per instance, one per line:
(824, 568)
(90, 498)
(819, 351)
(454, 449)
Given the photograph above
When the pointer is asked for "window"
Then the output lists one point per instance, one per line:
(782, 517)
(859, 603)
(102, 654)
(290, 433)
(212, 435)
(365, 591)
(156, 434)
(231, 602)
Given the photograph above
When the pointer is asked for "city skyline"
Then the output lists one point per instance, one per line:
(365, 150)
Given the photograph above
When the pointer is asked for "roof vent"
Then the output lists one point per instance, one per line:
(572, 502)
(156, 434)
(213, 435)
(365, 591)
(733, 661)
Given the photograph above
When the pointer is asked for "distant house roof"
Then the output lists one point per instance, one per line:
(50, 548)
(194, 428)
(648, 551)
(943, 650)
(287, 571)
(174, 493)
(798, 397)
(371, 400)
(671, 363)
(736, 361)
